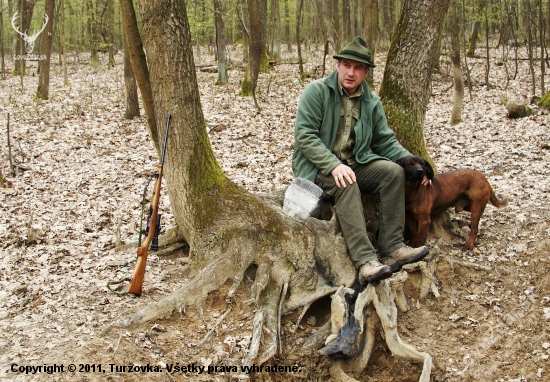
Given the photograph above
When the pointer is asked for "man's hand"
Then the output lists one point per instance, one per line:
(341, 174)
(425, 181)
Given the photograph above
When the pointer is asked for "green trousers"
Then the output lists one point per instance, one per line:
(379, 177)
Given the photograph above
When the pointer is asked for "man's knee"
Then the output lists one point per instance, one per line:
(394, 172)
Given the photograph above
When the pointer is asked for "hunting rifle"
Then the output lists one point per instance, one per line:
(152, 230)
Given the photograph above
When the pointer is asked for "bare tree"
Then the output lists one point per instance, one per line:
(21, 21)
(44, 77)
(220, 42)
(455, 31)
(139, 65)
(372, 31)
(299, 4)
(130, 88)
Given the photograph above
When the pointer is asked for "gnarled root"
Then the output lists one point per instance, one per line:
(374, 307)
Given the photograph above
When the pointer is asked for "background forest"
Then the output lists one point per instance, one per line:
(77, 150)
(96, 26)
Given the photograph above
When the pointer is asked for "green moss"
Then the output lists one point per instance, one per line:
(545, 101)
(246, 86)
(401, 116)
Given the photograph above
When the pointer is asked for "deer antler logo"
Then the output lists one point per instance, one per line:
(29, 40)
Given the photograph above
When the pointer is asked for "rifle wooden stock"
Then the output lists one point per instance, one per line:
(136, 285)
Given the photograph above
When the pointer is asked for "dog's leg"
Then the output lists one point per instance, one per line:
(476, 209)
(412, 227)
(422, 233)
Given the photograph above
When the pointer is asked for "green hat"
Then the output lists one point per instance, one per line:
(357, 50)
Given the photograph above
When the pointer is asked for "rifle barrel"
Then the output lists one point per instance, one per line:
(168, 118)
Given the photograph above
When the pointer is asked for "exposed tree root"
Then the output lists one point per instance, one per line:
(376, 306)
(295, 263)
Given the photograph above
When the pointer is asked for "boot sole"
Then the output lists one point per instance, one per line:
(396, 266)
(382, 274)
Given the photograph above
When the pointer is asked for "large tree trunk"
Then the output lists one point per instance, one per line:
(44, 78)
(406, 86)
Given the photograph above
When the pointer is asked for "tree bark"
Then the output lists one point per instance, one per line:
(299, 4)
(255, 49)
(454, 29)
(2, 53)
(275, 31)
(26, 8)
(346, 27)
(43, 90)
(406, 85)
(130, 88)
(220, 42)
(110, 33)
(139, 66)
(287, 28)
(477, 24)
(336, 25)
(372, 32)
(63, 47)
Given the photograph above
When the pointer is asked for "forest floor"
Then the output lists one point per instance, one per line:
(81, 173)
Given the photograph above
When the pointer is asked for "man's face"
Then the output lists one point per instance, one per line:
(351, 73)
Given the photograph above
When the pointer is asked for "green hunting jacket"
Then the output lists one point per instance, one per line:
(316, 125)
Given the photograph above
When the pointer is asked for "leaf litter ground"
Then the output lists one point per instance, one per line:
(81, 172)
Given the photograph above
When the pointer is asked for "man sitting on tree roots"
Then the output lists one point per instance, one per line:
(344, 145)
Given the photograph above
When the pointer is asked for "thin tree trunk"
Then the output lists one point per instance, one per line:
(43, 90)
(220, 42)
(63, 46)
(26, 8)
(130, 88)
(346, 27)
(275, 40)
(454, 29)
(288, 37)
(386, 18)
(299, 4)
(139, 66)
(475, 33)
(336, 25)
(531, 49)
(111, 31)
(488, 59)
(542, 42)
(2, 53)
(372, 31)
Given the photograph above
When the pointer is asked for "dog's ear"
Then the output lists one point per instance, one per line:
(428, 169)
(401, 161)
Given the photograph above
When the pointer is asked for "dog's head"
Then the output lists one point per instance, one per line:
(415, 167)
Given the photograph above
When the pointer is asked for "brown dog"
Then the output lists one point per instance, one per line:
(465, 190)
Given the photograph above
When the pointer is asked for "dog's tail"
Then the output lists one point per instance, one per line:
(498, 201)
